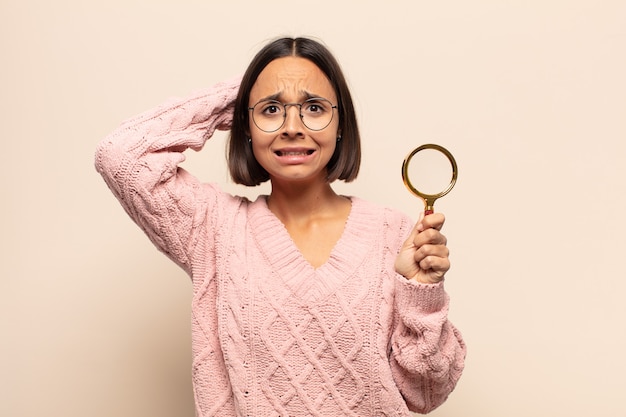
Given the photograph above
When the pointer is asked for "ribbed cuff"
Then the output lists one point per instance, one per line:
(415, 296)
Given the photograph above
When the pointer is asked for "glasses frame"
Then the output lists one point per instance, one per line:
(333, 107)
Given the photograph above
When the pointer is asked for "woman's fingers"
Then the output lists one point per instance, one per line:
(431, 253)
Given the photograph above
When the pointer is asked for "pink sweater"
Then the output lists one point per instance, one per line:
(273, 336)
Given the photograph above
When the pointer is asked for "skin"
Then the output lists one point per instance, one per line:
(292, 80)
(424, 255)
(301, 197)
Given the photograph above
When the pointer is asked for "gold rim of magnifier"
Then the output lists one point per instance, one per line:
(429, 198)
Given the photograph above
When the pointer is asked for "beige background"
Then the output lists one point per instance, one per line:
(530, 96)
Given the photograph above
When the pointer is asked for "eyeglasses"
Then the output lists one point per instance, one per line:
(270, 115)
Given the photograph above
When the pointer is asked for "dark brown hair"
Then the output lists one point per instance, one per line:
(345, 162)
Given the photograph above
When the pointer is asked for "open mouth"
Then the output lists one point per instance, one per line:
(303, 152)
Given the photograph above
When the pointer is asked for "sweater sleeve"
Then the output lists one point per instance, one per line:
(140, 160)
(427, 351)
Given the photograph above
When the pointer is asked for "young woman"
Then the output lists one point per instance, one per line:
(305, 302)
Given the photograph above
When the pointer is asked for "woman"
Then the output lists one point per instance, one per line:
(305, 302)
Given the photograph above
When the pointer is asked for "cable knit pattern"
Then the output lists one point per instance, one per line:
(273, 336)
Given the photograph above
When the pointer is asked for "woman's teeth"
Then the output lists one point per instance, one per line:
(294, 153)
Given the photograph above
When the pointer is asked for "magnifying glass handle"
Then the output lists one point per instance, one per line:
(430, 206)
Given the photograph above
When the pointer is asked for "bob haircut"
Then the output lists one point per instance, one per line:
(345, 162)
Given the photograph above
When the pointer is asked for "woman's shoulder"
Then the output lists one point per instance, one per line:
(386, 212)
(231, 201)
(382, 220)
(379, 221)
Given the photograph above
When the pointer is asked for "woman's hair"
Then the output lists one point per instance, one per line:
(345, 162)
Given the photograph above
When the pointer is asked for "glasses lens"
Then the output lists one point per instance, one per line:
(268, 115)
(316, 114)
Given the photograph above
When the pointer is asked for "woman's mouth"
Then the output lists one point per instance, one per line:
(303, 152)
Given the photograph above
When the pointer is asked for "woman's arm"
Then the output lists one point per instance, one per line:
(427, 352)
(139, 162)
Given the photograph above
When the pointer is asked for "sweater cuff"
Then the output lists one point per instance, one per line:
(415, 296)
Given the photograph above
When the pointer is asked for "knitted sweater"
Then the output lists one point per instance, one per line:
(271, 335)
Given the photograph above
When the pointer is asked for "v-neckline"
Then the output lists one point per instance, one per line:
(288, 262)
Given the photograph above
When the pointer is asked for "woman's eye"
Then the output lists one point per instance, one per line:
(272, 109)
(314, 108)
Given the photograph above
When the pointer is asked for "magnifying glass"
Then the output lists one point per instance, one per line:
(429, 199)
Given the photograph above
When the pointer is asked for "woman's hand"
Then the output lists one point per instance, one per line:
(424, 255)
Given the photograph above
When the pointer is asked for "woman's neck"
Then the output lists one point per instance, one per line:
(314, 216)
(298, 202)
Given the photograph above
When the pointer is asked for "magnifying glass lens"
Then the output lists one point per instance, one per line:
(423, 171)
(430, 171)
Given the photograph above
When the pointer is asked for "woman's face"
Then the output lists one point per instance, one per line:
(293, 152)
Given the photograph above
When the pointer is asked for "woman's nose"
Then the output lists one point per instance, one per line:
(293, 120)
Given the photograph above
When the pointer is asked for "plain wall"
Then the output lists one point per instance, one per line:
(530, 96)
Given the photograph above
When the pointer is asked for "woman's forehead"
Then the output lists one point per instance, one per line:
(291, 78)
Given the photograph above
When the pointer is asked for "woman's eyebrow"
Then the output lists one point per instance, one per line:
(273, 97)
(276, 96)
